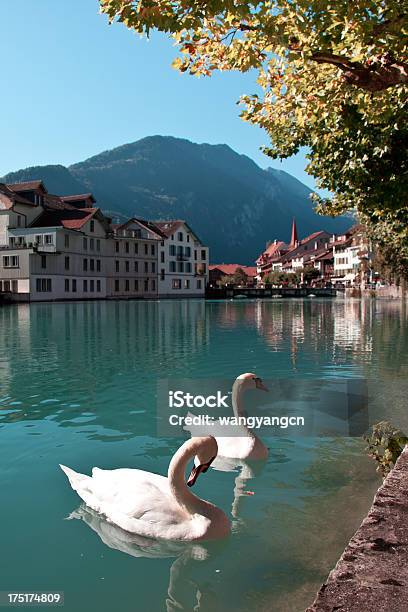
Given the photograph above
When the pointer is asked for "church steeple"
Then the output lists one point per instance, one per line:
(294, 237)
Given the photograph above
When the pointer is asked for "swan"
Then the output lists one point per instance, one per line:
(243, 443)
(154, 506)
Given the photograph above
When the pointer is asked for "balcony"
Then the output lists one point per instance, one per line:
(182, 258)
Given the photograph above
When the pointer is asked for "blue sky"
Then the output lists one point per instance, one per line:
(73, 86)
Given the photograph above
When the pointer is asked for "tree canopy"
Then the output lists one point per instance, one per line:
(333, 76)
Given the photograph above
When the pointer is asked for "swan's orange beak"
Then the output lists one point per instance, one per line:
(197, 470)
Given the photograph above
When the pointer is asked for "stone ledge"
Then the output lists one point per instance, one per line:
(372, 573)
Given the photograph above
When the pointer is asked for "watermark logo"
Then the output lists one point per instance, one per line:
(180, 399)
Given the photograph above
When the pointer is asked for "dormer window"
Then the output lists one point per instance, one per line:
(180, 236)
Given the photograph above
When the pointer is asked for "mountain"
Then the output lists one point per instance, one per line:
(231, 203)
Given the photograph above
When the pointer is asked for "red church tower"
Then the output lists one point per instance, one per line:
(294, 238)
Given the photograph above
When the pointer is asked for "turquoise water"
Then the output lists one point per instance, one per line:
(78, 386)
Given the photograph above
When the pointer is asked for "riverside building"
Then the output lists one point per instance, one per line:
(65, 248)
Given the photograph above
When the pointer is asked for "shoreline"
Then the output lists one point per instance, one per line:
(372, 572)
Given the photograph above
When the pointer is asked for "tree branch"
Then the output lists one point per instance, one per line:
(379, 75)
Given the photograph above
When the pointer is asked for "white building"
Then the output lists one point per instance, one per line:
(351, 258)
(64, 248)
(183, 261)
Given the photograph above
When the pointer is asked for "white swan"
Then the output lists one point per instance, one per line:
(243, 443)
(154, 506)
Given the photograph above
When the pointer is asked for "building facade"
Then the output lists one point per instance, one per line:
(183, 261)
(65, 248)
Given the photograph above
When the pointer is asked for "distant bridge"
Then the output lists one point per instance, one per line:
(225, 293)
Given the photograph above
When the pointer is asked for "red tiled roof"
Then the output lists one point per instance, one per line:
(229, 269)
(273, 249)
(76, 198)
(13, 197)
(27, 186)
(168, 227)
(149, 225)
(70, 218)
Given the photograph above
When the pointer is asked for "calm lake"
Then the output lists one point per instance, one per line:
(78, 386)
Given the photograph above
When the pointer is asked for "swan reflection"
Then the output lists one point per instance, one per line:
(183, 592)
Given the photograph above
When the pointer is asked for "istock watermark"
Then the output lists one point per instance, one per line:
(180, 399)
(272, 407)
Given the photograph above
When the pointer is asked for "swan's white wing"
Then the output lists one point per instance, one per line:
(136, 500)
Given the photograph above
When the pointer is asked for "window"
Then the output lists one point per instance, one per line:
(85, 286)
(43, 285)
(43, 261)
(85, 265)
(92, 265)
(146, 249)
(153, 283)
(49, 239)
(74, 285)
(6, 286)
(136, 266)
(180, 266)
(180, 250)
(180, 236)
(146, 267)
(98, 245)
(66, 285)
(117, 265)
(66, 241)
(127, 247)
(117, 284)
(176, 284)
(199, 284)
(85, 243)
(188, 237)
(98, 286)
(11, 261)
(172, 236)
(162, 274)
(92, 244)
(172, 266)
(38, 239)
(117, 247)
(203, 255)
(18, 221)
(146, 285)
(136, 285)
(172, 249)
(136, 248)
(152, 251)
(92, 226)
(153, 267)
(14, 286)
(98, 265)
(92, 286)
(195, 254)
(127, 285)
(126, 266)
(188, 267)
(188, 251)
(162, 257)
(186, 283)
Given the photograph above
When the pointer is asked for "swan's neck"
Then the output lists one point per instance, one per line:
(177, 481)
(238, 403)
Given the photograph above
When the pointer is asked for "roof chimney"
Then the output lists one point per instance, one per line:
(294, 237)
